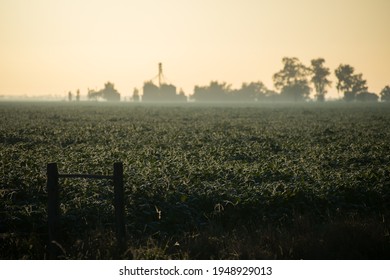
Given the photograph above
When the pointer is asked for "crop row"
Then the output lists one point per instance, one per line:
(187, 167)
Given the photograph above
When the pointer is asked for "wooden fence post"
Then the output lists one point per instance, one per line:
(119, 205)
(53, 209)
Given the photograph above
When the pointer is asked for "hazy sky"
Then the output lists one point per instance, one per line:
(51, 47)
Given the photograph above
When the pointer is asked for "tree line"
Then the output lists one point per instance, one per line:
(294, 82)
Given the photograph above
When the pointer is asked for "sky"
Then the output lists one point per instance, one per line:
(51, 47)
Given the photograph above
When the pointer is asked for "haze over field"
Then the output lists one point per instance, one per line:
(51, 47)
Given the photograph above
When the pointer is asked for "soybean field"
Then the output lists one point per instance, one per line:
(251, 181)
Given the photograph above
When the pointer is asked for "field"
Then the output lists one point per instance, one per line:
(252, 181)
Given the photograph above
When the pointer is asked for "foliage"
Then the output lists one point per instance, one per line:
(252, 181)
(214, 92)
(348, 82)
(292, 80)
(344, 74)
(367, 97)
(251, 92)
(385, 94)
(223, 92)
(320, 78)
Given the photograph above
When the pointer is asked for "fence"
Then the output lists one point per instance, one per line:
(54, 213)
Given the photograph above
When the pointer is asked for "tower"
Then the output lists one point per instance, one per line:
(160, 74)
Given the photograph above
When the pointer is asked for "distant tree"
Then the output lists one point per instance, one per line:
(92, 94)
(215, 91)
(299, 91)
(359, 84)
(349, 83)
(320, 78)
(78, 95)
(385, 94)
(344, 75)
(250, 92)
(292, 80)
(272, 95)
(70, 96)
(367, 97)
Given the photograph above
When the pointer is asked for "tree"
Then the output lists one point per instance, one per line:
(213, 92)
(292, 80)
(250, 92)
(385, 94)
(359, 84)
(349, 83)
(367, 97)
(320, 78)
(344, 74)
(93, 94)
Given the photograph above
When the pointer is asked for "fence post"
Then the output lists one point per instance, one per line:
(119, 205)
(53, 209)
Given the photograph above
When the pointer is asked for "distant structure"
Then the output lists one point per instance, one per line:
(160, 74)
(163, 92)
(109, 93)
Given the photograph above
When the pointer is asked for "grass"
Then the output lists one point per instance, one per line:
(252, 181)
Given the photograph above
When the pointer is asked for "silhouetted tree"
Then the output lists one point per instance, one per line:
(344, 75)
(320, 78)
(272, 95)
(367, 97)
(69, 96)
(299, 91)
(292, 80)
(349, 83)
(213, 92)
(92, 94)
(78, 95)
(250, 92)
(385, 94)
(359, 85)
